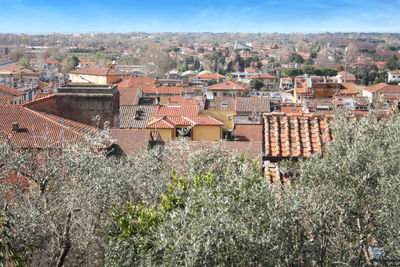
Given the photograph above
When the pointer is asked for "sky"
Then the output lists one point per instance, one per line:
(122, 16)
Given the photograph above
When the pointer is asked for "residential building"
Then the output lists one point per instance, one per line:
(94, 75)
(380, 92)
(206, 77)
(270, 82)
(20, 78)
(16, 96)
(227, 88)
(394, 76)
(193, 128)
(135, 116)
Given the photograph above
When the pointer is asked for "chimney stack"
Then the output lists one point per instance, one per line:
(15, 126)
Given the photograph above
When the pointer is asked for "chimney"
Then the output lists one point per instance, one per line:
(15, 126)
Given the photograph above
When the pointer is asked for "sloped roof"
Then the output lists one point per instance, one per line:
(177, 110)
(395, 72)
(40, 130)
(248, 132)
(11, 68)
(169, 122)
(138, 82)
(253, 104)
(295, 134)
(263, 76)
(383, 88)
(135, 116)
(10, 91)
(128, 95)
(101, 71)
(227, 86)
(207, 76)
(130, 141)
(167, 90)
(184, 100)
(221, 103)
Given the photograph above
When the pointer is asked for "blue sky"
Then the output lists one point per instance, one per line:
(306, 16)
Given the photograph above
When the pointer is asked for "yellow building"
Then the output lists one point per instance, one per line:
(194, 128)
(222, 108)
(93, 75)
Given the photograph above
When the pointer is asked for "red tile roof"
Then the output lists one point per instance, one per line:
(395, 72)
(165, 90)
(248, 132)
(138, 82)
(40, 95)
(184, 100)
(295, 134)
(263, 76)
(169, 122)
(5, 100)
(102, 71)
(131, 141)
(383, 88)
(11, 68)
(5, 90)
(128, 95)
(227, 86)
(40, 130)
(49, 61)
(208, 76)
(176, 110)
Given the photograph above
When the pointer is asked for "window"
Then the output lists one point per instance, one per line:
(214, 94)
(183, 132)
(147, 83)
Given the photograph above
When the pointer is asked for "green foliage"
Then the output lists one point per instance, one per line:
(294, 57)
(392, 63)
(367, 73)
(310, 70)
(256, 83)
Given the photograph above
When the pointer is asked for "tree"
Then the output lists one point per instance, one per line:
(257, 84)
(64, 214)
(310, 70)
(328, 72)
(24, 62)
(220, 212)
(296, 58)
(367, 73)
(292, 73)
(309, 61)
(69, 63)
(157, 61)
(200, 50)
(392, 63)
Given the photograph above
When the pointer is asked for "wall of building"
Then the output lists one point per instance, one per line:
(224, 115)
(166, 134)
(207, 133)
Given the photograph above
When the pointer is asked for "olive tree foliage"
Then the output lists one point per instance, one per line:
(61, 198)
(219, 211)
(351, 195)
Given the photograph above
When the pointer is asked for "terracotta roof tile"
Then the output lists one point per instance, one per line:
(40, 130)
(130, 141)
(169, 122)
(227, 86)
(135, 116)
(252, 104)
(208, 76)
(294, 135)
(5, 90)
(101, 71)
(128, 95)
(176, 110)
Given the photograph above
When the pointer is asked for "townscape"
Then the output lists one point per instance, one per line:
(203, 148)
